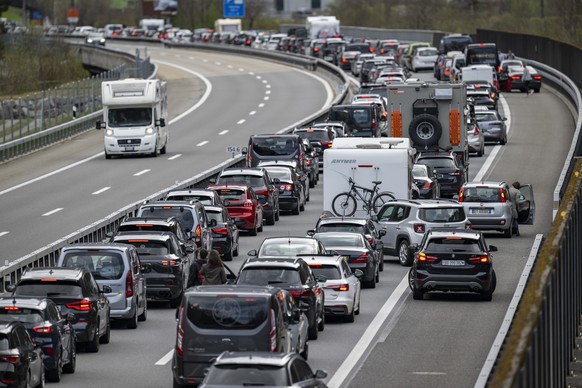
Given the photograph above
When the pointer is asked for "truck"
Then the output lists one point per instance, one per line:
(134, 117)
(319, 27)
(433, 115)
(365, 160)
(484, 73)
(228, 26)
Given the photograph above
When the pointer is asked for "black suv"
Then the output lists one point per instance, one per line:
(259, 179)
(360, 120)
(166, 263)
(449, 170)
(170, 224)
(21, 362)
(453, 260)
(75, 291)
(321, 139)
(54, 333)
(293, 275)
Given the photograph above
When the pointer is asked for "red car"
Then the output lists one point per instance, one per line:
(243, 206)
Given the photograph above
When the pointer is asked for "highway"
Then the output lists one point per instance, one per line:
(439, 342)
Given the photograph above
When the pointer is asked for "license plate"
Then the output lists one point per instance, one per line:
(456, 263)
(328, 58)
(481, 211)
(128, 149)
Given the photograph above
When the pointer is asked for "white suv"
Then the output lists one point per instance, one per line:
(406, 221)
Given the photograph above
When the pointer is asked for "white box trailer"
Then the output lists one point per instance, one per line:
(484, 73)
(365, 160)
(134, 117)
(320, 27)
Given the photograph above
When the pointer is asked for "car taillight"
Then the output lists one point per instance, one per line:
(423, 257)
(83, 305)
(339, 287)
(248, 203)
(502, 195)
(273, 332)
(198, 231)
(537, 77)
(129, 285)
(461, 195)
(476, 131)
(286, 187)
(447, 71)
(479, 260)
(418, 228)
(11, 360)
(43, 329)
(326, 144)
(223, 231)
(427, 186)
(344, 60)
(308, 162)
(48, 351)
(297, 294)
(370, 240)
(363, 258)
(169, 262)
(180, 335)
(315, 49)
(515, 77)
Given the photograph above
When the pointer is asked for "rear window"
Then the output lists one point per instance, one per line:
(281, 174)
(274, 146)
(341, 227)
(4, 342)
(453, 214)
(148, 247)
(330, 241)
(428, 53)
(482, 194)
(144, 226)
(48, 289)
(214, 215)
(251, 180)
(203, 199)
(314, 135)
(226, 312)
(450, 245)
(184, 215)
(232, 195)
(435, 163)
(280, 248)
(13, 314)
(359, 117)
(247, 375)
(103, 265)
(331, 272)
(264, 276)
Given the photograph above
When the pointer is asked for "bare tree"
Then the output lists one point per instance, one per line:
(254, 9)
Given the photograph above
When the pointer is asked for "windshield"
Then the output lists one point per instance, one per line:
(103, 265)
(331, 272)
(331, 240)
(456, 214)
(314, 135)
(18, 314)
(341, 227)
(419, 172)
(287, 248)
(263, 276)
(246, 375)
(274, 146)
(251, 180)
(226, 311)
(215, 215)
(129, 117)
(232, 195)
(283, 175)
(435, 163)
(184, 215)
(48, 289)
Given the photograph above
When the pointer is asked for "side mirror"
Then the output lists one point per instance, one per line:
(320, 374)
(244, 151)
(492, 248)
(253, 252)
(358, 273)
(161, 123)
(276, 181)
(382, 232)
(189, 249)
(311, 232)
(72, 318)
(146, 268)
(296, 316)
(212, 180)
(413, 247)
(106, 289)
(212, 222)
(10, 287)
(98, 124)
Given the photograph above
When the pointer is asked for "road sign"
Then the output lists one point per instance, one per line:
(234, 8)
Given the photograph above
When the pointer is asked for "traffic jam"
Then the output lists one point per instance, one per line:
(393, 166)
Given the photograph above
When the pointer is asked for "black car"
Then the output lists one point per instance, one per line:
(53, 333)
(75, 291)
(170, 224)
(293, 275)
(365, 226)
(167, 263)
(450, 171)
(482, 94)
(320, 138)
(453, 260)
(291, 190)
(311, 161)
(493, 126)
(225, 234)
(21, 362)
(235, 369)
(360, 120)
(427, 183)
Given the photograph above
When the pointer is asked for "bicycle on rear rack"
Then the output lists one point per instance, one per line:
(345, 204)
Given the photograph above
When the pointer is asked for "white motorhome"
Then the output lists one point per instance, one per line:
(134, 117)
(322, 26)
(365, 160)
(484, 73)
(228, 25)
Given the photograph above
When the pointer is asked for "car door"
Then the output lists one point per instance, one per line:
(352, 280)
(234, 232)
(138, 277)
(376, 234)
(34, 354)
(526, 206)
(94, 293)
(384, 220)
(205, 234)
(65, 330)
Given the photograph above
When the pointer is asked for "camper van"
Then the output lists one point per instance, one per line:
(134, 117)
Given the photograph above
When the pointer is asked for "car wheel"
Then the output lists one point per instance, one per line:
(404, 254)
(503, 141)
(416, 293)
(54, 376)
(144, 316)
(312, 332)
(377, 274)
(93, 346)
(72, 364)
(163, 150)
(270, 220)
(487, 296)
(301, 206)
(253, 231)
(176, 302)
(278, 214)
(131, 323)
(508, 232)
(381, 261)
(260, 228)
(107, 337)
(351, 317)
(305, 352)
(296, 210)
(371, 283)
(107, 156)
(481, 151)
(321, 324)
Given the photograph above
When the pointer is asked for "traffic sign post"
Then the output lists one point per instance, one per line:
(233, 8)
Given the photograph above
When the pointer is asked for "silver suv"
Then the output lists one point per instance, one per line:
(406, 221)
(488, 206)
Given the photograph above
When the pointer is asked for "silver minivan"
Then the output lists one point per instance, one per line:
(115, 265)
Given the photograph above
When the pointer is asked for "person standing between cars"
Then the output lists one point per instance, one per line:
(213, 271)
(526, 78)
(509, 55)
(195, 278)
(514, 194)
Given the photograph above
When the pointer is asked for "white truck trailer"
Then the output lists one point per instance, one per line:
(319, 27)
(134, 117)
(366, 160)
(228, 25)
(485, 73)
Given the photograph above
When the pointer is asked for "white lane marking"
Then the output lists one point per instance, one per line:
(100, 154)
(163, 54)
(167, 358)
(241, 69)
(493, 154)
(101, 191)
(3, 233)
(259, 77)
(268, 86)
(251, 72)
(252, 113)
(265, 81)
(202, 143)
(428, 373)
(142, 172)
(177, 55)
(266, 98)
(52, 212)
(204, 60)
(217, 63)
(262, 104)
(355, 357)
(241, 121)
(191, 58)
(174, 157)
(223, 132)
(268, 92)
(229, 66)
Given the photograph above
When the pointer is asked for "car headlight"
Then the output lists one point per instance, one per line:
(102, 40)
(89, 40)
(109, 132)
(150, 131)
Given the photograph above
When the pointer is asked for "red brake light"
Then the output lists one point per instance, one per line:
(11, 308)
(223, 231)
(129, 285)
(462, 195)
(537, 77)
(273, 332)
(44, 329)
(515, 77)
(363, 258)
(427, 185)
(84, 305)
(297, 294)
(169, 262)
(419, 228)
(502, 195)
(476, 131)
(339, 287)
(180, 336)
(198, 231)
(479, 260)
(11, 360)
(315, 49)
(371, 240)
(248, 203)
(423, 257)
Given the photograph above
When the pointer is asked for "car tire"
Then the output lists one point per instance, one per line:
(54, 376)
(107, 156)
(425, 130)
(416, 293)
(507, 233)
(144, 315)
(278, 214)
(93, 346)
(301, 207)
(481, 151)
(305, 352)
(72, 364)
(321, 324)
(163, 150)
(131, 323)
(253, 231)
(503, 141)
(312, 332)
(381, 269)
(312, 183)
(260, 228)
(228, 256)
(377, 278)
(404, 254)
(296, 210)
(104, 339)
(270, 220)
(487, 296)
(351, 317)
(235, 252)
(174, 303)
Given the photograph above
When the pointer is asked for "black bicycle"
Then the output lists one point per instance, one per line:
(345, 204)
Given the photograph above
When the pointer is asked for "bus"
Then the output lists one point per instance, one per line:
(482, 54)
